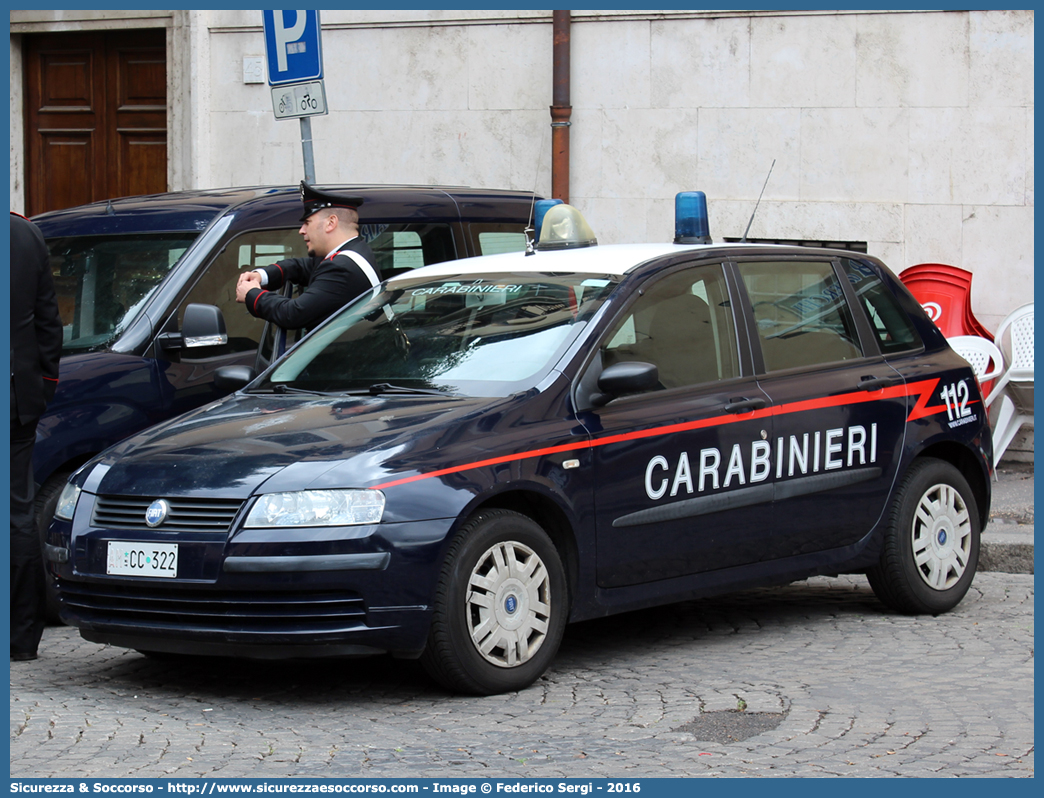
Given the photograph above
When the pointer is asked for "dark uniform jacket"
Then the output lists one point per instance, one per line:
(36, 326)
(330, 284)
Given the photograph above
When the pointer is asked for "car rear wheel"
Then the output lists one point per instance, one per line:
(931, 545)
(45, 504)
(500, 606)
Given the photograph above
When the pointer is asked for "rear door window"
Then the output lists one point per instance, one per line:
(800, 313)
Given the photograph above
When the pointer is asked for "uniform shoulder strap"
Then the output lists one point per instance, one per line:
(363, 264)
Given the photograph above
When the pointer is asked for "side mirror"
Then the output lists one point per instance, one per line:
(203, 325)
(624, 378)
(232, 378)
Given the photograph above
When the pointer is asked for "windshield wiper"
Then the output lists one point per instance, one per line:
(282, 387)
(387, 387)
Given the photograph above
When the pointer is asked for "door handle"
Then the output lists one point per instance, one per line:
(872, 383)
(741, 404)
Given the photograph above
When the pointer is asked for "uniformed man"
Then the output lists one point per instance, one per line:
(36, 347)
(339, 266)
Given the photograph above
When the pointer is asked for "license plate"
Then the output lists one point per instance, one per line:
(142, 559)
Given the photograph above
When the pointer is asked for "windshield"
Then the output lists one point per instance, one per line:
(103, 281)
(479, 335)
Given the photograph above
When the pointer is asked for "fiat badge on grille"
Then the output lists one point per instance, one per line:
(157, 513)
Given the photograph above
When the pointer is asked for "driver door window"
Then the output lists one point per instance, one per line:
(217, 286)
(682, 325)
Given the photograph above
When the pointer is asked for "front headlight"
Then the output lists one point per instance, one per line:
(67, 502)
(317, 508)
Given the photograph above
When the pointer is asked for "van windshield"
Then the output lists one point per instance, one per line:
(102, 282)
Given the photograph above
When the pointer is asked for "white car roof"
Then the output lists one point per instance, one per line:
(600, 259)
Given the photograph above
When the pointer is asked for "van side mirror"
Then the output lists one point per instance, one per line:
(624, 378)
(203, 325)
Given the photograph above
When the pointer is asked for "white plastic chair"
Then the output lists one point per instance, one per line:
(982, 355)
(1016, 384)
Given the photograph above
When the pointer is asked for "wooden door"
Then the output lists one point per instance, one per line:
(96, 116)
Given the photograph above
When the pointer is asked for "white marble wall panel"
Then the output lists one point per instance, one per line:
(587, 157)
(854, 153)
(619, 220)
(252, 150)
(998, 250)
(228, 91)
(609, 65)
(701, 63)
(737, 147)
(932, 235)
(803, 61)
(648, 153)
(397, 69)
(1002, 66)
(509, 67)
(1027, 147)
(969, 155)
(912, 60)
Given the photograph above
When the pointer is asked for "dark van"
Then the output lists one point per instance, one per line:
(138, 280)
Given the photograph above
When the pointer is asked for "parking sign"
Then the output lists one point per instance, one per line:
(293, 46)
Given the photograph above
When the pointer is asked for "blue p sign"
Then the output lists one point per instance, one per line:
(293, 46)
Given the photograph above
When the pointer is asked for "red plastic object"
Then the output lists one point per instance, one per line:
(945, 294)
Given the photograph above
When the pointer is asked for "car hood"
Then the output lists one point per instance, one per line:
(231, 448)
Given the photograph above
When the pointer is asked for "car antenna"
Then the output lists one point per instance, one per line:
(756, 204)
(531, 227)
(109, 209)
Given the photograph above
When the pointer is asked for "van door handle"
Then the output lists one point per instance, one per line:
(872, 383)
(741, 404)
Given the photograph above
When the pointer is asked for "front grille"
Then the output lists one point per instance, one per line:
(208, 610)
(186, 515)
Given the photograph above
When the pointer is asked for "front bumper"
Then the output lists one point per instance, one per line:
(267, 594)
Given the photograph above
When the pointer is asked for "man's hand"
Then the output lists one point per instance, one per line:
(247, 281)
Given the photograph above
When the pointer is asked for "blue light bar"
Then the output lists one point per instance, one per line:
(691, 222)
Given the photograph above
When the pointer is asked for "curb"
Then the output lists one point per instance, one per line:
(1007, 548)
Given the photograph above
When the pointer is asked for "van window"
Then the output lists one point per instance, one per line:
(403, 246)
(488, 238)
(801, 314)
(494, 243)
(217, 284)
(103, 281)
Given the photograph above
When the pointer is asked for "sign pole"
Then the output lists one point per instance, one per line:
(295, 72)
(306, 147)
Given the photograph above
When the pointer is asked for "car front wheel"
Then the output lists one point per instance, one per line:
(931, 544)
(500, 606)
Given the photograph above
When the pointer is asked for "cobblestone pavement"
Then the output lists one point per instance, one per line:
(848, 690)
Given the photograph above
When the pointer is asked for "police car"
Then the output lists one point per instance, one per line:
(476, 453)
(146, 289)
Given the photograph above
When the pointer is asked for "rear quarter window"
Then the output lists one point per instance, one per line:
(892, 327)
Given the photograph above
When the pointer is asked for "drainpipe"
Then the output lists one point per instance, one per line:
(561, 109)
